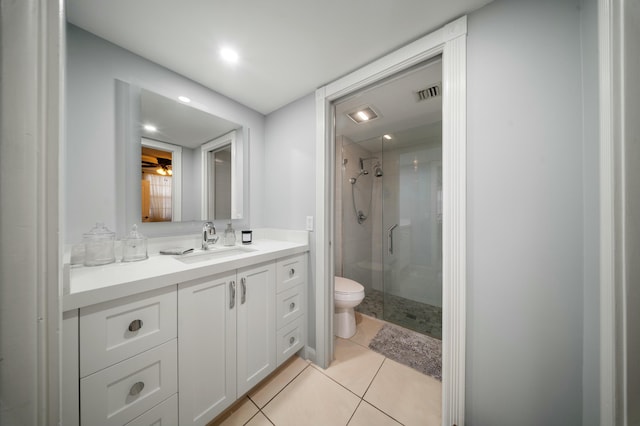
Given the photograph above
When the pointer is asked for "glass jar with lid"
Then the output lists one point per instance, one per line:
(134, 246)
(99, 246)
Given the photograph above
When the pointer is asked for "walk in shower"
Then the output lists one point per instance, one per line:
(389, 199)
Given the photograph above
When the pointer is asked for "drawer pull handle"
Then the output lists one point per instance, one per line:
(232, 289)
(136, 388)
(292, 272)
(291, 340)
(243, 296)
(135, 325)
(292, 305)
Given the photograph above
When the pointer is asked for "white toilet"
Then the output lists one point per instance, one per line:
(347, 295)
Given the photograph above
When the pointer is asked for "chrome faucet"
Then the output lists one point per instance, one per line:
(209, 236)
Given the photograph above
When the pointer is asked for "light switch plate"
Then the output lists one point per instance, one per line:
(309, 223)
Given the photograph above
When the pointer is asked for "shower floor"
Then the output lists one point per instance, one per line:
(420, 317)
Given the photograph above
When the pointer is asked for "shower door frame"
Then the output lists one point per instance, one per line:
(450, 42)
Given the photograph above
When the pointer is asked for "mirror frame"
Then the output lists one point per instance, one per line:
(128, 173)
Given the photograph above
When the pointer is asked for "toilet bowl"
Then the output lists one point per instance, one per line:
(347, 295)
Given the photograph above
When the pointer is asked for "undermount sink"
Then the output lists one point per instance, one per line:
(204, 256)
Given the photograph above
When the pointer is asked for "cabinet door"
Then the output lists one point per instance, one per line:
(256, 324)
(206, 348)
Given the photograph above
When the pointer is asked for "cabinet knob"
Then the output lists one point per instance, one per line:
(135, 325)
(136, 388)
(292, 272)
(291, 340)
(292, 305)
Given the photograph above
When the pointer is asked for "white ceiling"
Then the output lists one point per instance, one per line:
(400, 113)
(287, 48)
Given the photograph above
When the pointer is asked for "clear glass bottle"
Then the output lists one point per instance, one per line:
(229, 235)
(99, 246)
(134, 246)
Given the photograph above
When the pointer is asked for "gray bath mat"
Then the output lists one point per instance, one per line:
(415, 350)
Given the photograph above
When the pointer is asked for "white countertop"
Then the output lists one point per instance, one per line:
(88, 285)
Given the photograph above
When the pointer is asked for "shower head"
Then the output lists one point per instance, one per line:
(378, 172)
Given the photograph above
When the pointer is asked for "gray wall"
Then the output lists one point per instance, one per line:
(525, 214)
(591, 224)
(532, 210)
(632, 209)
(93, 64)
(289, 177)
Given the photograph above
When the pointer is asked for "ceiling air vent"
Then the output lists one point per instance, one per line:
(429, 92)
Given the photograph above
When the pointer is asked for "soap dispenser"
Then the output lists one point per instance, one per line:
(229, 235)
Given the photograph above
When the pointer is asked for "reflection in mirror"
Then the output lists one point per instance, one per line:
(217, 164)
(177, 185)
(161, 174)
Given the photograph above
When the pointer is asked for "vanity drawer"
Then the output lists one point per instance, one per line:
(291, 271)
(124, 391)
(289, 305)
(113, 331)
(290, 340)
(165, 413)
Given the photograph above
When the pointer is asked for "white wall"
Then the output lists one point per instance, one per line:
(289, 178)
(525, 214)
(590, 167)
(529, 192)
(631, 214)
(92, 67)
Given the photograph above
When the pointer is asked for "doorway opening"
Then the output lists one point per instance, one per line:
(388, 204)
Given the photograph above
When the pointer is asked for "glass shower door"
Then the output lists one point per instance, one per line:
(412, 228)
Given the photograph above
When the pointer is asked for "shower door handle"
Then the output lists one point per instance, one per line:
(390, 237)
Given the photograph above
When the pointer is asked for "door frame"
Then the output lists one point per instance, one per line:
(450, 42)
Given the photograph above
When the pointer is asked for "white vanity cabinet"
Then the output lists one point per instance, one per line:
(227, 339)
(290, 305)
(126, 363)
(177, 346)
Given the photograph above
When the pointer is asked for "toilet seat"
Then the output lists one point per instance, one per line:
(346, 289)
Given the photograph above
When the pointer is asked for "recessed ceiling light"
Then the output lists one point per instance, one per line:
(387, 137)
(150, 128)
(184, 99)
(229, 55)
(363, 114)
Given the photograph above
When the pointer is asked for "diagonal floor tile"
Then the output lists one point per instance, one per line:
(238, 415)
(274, 384)
(408, 396)
(259, 420)
(311, 399)
(366, 330)
(354, 366)
(368, 415)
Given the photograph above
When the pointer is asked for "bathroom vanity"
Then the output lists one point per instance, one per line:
(180, 338)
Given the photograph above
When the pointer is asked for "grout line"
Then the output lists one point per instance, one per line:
(278, 393)
(354, 412)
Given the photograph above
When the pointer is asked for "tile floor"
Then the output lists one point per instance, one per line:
(416, 316)
(360, 388)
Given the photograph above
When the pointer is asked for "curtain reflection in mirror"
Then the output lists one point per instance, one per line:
(157, 184)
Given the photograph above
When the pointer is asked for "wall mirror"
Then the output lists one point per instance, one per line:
(182, 164)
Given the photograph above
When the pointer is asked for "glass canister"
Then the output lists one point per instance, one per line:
(229, 235)
(99, 246)
(134, 246)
